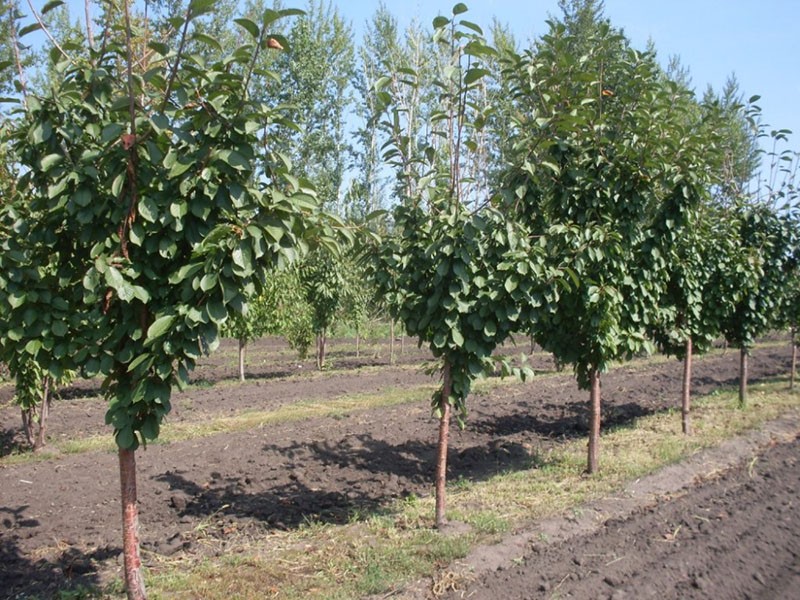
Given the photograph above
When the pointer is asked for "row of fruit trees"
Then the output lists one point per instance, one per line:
(576, 192)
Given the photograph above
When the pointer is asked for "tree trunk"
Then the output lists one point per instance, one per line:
(134, 580)
(402, 344)
(532, 345)
(794, 358)
(28, 418)
(686, 423)
(358, 339)
(321, 338)
(441, 448)
(44, 413)
(391, 342)
(594, 425)
(242, 351)
(743, 377)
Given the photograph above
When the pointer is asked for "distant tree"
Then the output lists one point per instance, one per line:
(316, 73)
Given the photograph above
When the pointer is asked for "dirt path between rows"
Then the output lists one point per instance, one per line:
(724, 524)
(59, 518)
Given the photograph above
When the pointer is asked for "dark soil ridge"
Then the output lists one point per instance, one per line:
(59, 519)
(554, 557)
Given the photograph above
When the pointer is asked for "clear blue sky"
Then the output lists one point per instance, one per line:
(758, 40)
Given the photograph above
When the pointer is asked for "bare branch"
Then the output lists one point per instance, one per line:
(46, 31)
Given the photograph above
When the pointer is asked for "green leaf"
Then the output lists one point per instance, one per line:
(216, 311)
(126, 438)
(473, 75)
(207, 40)
(150, 428)
(249, 26)
(28, 29)
(458, 338)
(51, 160)
(82, 197)
(440, 22)
(53, 4)
(159, 327)
(460, 8)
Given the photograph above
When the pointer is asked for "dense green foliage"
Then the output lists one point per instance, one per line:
(149, 210)
(606, 168)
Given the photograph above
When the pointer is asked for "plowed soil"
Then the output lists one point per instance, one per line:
(736, 536)
(59, 518)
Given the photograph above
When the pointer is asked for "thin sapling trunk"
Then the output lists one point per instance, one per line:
(391, 342)
(594, 422)
(242, 353)
(441, 447)
(793, 372)
(321, 338)
(134, 580)
(743, 375)
(687, 389)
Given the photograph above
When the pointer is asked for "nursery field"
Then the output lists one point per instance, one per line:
(252, 485)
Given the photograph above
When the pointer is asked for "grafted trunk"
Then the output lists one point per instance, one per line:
(242, 353)
(687, 389)
(743, 375)
(594, 424)
(134, 580)
(441, 448)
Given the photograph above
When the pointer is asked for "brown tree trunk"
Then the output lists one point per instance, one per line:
(794, 358)
(28, 417)
(242, 351)
(358, 340)
(743, 377)
(402, 344)
(594, 424)
(687, 389)
(391, 342)
(44, 413)
(321, 338)
(134, 580)
(441, 448)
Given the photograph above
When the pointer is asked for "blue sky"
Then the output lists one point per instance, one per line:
(758, 40)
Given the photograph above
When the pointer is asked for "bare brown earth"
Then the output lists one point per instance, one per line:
(735, 534)
(59, 519)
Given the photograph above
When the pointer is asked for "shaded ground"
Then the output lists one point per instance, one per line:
(734, 536)
(59, 519)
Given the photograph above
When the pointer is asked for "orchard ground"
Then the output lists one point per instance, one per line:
(305, 484)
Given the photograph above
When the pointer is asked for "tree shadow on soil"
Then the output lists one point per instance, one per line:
(22, 576)
(572, 422)
(10, 441)
(331, 481)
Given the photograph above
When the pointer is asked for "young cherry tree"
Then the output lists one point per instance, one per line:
(605, 169)
(455, 271)
(150, 206)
